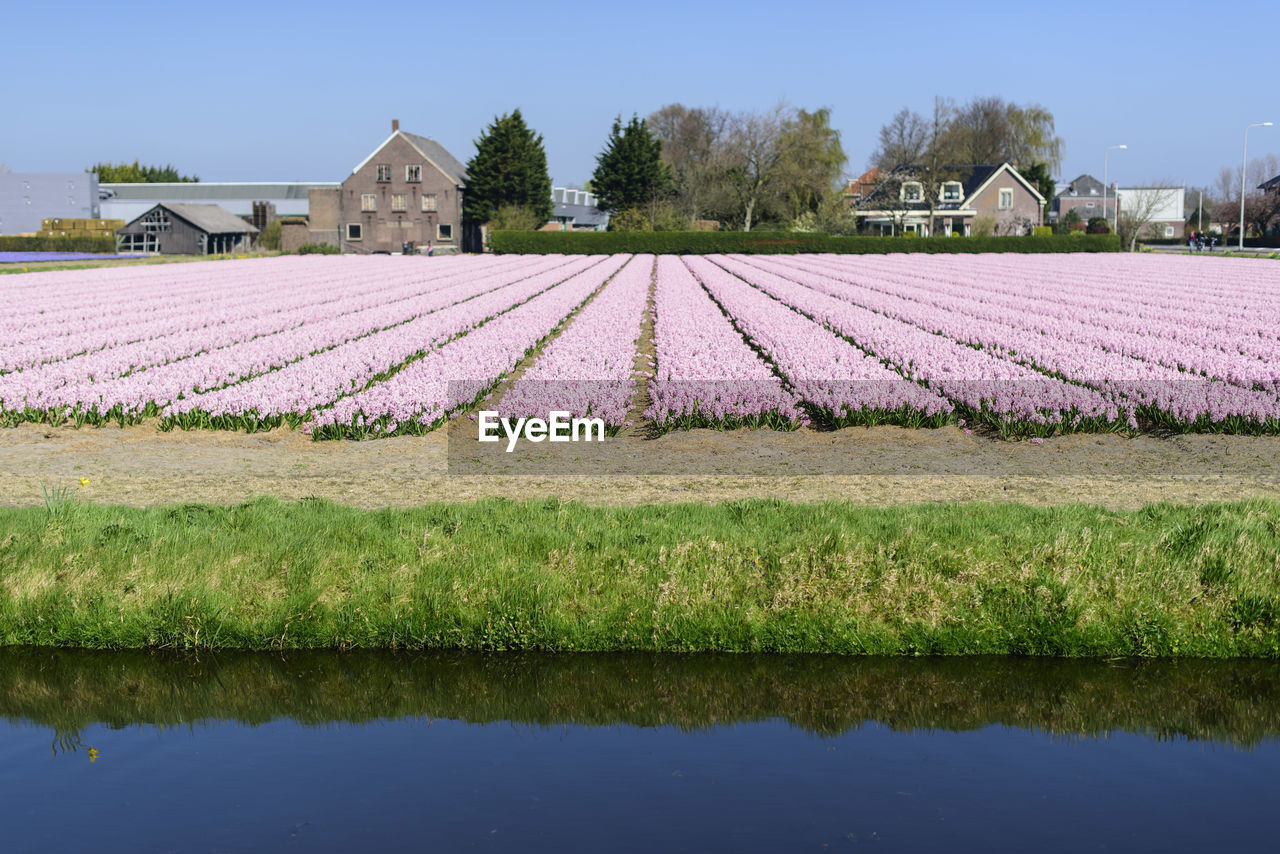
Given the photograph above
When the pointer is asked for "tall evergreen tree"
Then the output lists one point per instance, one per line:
(509, 169)
(630, 171)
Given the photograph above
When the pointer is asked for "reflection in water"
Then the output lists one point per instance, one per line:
(1225, 701)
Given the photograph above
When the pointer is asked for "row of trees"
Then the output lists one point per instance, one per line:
(940, 147)
(1222, 198)
(783, 168)
(669, 171)
(138, 173)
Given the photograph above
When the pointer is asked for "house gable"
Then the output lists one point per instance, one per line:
(442, 162)
(1004, 169)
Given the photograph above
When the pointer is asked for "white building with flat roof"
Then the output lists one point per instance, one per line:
(1165, 204)
(130, 201)
(26, 198)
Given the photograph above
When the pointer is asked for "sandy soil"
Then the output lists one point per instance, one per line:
(886, 465)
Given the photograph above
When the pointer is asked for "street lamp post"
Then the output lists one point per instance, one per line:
(1105, 155)
(1244, 164)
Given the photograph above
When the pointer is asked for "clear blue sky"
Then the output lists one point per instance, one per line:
(304, 91)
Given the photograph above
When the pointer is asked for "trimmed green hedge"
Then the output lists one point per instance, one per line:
(13, 243)
(777, 243)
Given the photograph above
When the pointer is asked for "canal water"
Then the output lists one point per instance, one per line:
(358, 752)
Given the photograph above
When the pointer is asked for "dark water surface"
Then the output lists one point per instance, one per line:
(453, 752)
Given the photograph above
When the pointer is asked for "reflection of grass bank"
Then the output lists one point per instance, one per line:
(740, 576)
(1236, 702)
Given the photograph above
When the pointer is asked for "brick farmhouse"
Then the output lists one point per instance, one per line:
(406, 194)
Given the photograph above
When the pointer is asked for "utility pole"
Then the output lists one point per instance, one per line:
(1244, 164)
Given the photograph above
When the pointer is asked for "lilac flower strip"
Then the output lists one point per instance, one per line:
(301, 387)
(973, 377)
(450, 378)
(704, 367)
(823, 368)
(589, 369)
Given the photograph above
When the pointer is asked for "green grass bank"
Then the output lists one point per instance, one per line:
(752, 576)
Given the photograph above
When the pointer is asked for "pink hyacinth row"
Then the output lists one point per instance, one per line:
(358, 346)
(825, 370)
(395, 300)
(1181, 334)
(301, 387)
(706, 373)
(1181, 382)
(157, 307)
(94, 385)
(978, 379)
(590, 367)
(457, 374)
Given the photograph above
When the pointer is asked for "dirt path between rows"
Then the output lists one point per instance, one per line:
(884, 465)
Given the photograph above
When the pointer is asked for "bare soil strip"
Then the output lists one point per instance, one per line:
(142, 466)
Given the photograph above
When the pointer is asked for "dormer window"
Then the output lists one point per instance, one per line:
(951, 191)
(1093, 191)
(912, 191)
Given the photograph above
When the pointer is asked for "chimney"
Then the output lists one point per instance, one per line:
(395, 125)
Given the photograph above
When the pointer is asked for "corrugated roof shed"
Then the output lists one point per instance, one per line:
(211, 219)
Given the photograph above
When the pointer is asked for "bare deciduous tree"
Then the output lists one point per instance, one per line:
(754, 155)
(692, 145)
(902, 141)
(1137, 210)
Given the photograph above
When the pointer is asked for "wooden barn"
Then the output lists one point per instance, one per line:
(177, 229)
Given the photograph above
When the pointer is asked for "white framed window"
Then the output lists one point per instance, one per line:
(912, 191)
(951, 191)
(429, 202)
(384, 172)
(1168, 231)
(444, 232)
(413, 172)
(1006, 199)
(398, 202)
(1088, 205)
(354, 231)
(368, 202)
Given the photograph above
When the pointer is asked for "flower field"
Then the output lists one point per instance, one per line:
(353, 347)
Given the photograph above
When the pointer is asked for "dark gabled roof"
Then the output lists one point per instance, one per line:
(210, 219)
(436, 153)
(971, 176)
(581, 214)
(1084, 186)
(1273, 184)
